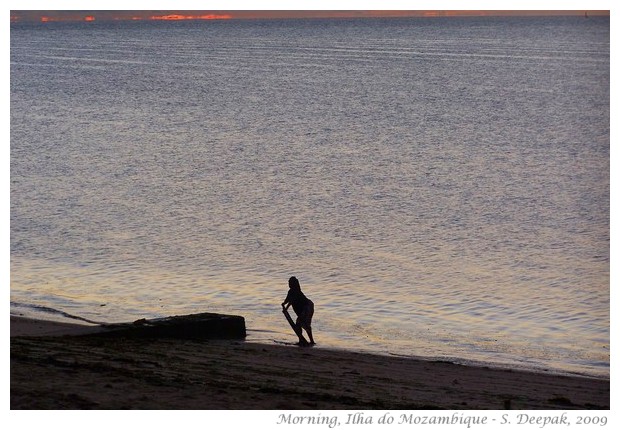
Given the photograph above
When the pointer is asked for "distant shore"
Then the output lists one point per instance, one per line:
(59, 366)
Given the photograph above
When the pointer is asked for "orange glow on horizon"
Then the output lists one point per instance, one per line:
(188, 17)
(174, 15)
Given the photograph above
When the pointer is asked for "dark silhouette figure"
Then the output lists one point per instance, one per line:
(303, 307)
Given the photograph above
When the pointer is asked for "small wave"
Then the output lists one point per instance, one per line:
(46, 309)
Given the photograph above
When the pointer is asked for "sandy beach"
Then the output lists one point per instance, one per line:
(60, 366)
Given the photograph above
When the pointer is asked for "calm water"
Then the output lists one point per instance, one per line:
(439, 186)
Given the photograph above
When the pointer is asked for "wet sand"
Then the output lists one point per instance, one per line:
(59, 366)
(32, 327)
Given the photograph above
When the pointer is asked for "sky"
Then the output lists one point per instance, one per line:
(106, 15)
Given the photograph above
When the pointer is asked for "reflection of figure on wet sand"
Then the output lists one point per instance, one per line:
(303, 307)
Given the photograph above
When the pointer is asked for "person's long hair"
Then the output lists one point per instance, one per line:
(293, 283)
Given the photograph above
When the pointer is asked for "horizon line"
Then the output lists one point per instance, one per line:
(42, 16)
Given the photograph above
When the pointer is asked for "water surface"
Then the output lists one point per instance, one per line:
(439, 186)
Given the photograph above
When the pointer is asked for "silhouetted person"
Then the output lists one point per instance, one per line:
(303, 307)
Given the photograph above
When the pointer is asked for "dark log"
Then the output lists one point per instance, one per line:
(195, 326)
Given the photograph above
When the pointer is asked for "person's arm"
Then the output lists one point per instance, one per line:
(287, 302)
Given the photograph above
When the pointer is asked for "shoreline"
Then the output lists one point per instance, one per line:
(70, 370)
(29, 327)
(26, 326)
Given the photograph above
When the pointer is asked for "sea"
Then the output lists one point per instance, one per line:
(439, 186)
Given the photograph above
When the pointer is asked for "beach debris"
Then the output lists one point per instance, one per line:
(195, 326)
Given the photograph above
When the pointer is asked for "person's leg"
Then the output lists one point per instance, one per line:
(299, 332)
(308, 314)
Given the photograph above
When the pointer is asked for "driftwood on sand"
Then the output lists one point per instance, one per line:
(195, 326)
